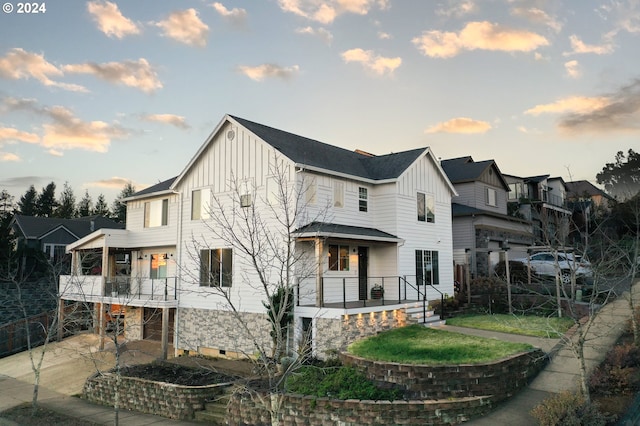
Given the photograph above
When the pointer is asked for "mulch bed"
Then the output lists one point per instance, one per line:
(176, 374)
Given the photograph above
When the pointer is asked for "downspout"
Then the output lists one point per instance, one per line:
(176, 320)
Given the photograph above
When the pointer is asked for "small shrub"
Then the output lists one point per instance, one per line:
(619, 371)
(338, 383)
(568, 409)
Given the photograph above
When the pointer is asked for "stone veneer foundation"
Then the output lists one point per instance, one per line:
(220, 333)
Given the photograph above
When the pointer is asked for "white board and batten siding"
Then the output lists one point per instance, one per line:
(156, 236)
(224, 161)
(424, 176)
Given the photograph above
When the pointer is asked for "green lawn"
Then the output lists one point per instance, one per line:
(528, 325)
(419, 345)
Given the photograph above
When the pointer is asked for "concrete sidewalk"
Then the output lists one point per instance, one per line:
(563, 372)
(65, 368)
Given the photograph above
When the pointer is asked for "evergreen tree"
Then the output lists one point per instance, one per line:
(119, 208)
(101, 207)
(6, 238)
(621, 178)
(46, 204)
(85, 206)
(28, 202)
(6, 203)
(67, 203)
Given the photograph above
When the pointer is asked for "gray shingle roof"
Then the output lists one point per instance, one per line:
(35, 227)
(579, 188)
(334, 228)
(161, 186)
(314, 153)
(464, 169)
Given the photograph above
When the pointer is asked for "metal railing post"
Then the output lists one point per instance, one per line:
(344, 293)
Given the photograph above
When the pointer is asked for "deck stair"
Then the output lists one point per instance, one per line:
(416, 315)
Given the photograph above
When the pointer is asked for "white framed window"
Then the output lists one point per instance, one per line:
(363, 199)
(156, 213)
(338, 194)
(216, 267)
(338, 257)
(158, 266)
(491, 197)
(200, 203)
(310, 189)
(426, 207)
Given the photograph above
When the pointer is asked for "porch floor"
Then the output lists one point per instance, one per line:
(365, 303)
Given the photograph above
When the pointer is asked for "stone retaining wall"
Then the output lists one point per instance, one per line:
(501, 379)
(302, 410)
(163, 399)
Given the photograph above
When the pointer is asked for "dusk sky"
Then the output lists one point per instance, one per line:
(99, 93)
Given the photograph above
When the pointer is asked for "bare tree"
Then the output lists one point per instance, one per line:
(261, 232)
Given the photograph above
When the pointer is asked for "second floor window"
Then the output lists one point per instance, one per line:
(216, 267)
(338, 194)
(426, 212)
(156, 213)
(200, 200)
(363, 199)
(491, 197)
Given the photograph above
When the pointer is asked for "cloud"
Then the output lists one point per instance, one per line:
(112, 183)
(186, 27)
(621, 113)
(263, 71)
(110, 20)
(378, 64)
(236, 16)
(326, 11)
(55, 153)
(578, 47)
(478, 35)
(174, 120)
(573, 69)
(457, 9)
(384, 36)
(65, 131)
(321, 33)
(9, 157)
(625, 15)
(460, 125)
(537, 16)
(572, 104)
(11, 134)
(20, 64)
(137, 74)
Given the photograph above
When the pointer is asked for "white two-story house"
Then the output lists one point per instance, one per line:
(362, 223)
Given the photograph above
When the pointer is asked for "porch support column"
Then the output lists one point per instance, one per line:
(165, 332)
(319, 251)
(101, 324)
(60, 320)
(105, 269)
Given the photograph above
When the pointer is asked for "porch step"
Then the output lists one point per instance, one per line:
(416, 315)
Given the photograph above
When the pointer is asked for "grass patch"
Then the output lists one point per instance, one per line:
(416, 344)
(528, 325)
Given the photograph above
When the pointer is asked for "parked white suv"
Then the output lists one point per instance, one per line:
(544, 263)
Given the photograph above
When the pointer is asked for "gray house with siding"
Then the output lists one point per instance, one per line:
(482, 228)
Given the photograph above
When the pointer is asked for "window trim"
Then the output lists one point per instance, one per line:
(488, 191)
(222, 259)
(164, 213)
(363, 199)
(342, 264)
(421, 270)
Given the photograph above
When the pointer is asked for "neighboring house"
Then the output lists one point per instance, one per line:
(482, 229)
(367, 220)
(52, 235)
(543, 201)
(586, 201)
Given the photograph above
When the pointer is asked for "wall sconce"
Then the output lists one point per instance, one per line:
(139, 256)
